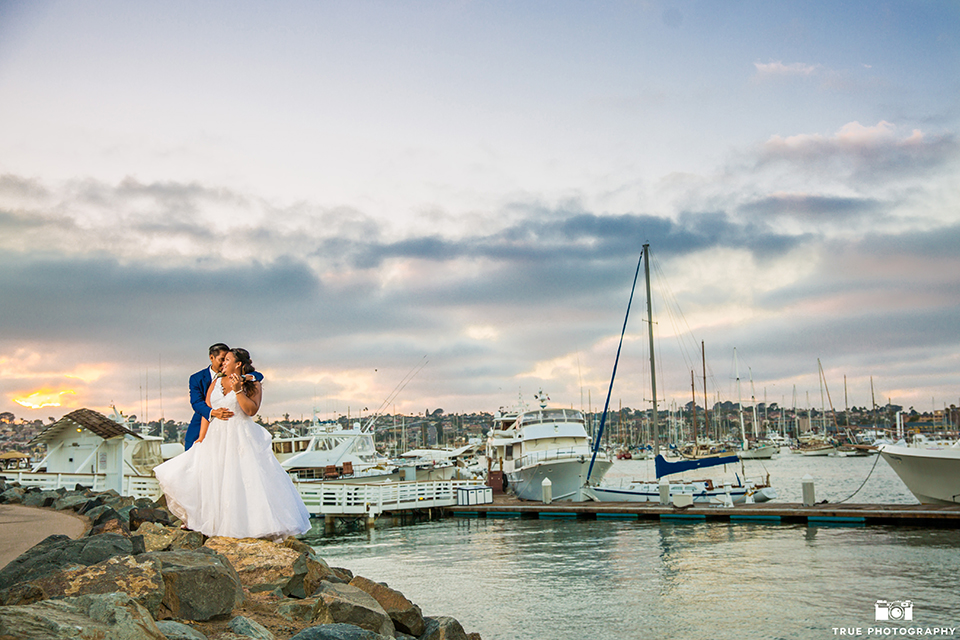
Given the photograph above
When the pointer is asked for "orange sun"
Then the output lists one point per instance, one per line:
(43, 398)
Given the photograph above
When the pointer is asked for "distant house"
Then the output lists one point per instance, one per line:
(84, 441)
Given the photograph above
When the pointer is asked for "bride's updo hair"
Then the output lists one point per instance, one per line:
(246, 367)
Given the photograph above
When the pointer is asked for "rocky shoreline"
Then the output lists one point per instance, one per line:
(136, 575)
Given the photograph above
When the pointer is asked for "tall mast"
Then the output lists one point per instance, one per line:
(743, 431)
(653, 368)
(706, 400)
(693, 391)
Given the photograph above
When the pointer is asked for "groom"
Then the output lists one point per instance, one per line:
(199, 383)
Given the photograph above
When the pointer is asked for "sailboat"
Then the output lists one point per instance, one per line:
(761, 452)
(701, 490)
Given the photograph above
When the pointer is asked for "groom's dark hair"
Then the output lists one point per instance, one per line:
(217, 348)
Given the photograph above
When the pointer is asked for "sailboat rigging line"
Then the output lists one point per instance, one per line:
(877, 458)
(606, 405)
(396, 390)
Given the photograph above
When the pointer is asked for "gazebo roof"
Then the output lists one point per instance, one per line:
(88, 419)
(13, 455)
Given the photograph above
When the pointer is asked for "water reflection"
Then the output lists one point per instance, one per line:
(513, 578)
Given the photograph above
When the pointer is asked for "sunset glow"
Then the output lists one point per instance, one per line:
(43, 398)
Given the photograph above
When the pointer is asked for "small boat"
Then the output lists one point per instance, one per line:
(856, 450)
(818, 450)
(761, 452)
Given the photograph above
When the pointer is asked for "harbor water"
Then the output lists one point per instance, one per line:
(508, 578)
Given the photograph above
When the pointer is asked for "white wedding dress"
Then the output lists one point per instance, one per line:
(231, 484)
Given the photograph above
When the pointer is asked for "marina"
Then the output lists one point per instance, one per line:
(773, 512)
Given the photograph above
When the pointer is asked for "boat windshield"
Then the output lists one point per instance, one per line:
(551, 415)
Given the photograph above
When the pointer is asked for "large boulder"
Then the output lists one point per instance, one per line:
(355, 606)
(72, 500)
(313, 610)
(157, 537)
(406, 616)
(338, 632)
(40, 498)
(198, 585)
(143, 513)
(268, 566)
(174, 630)
(58, 551)
(137, 576)
(91, 617)
(243, 626)
(13, 495)
(443, 628)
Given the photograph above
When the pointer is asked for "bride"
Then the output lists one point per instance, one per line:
(229, 483)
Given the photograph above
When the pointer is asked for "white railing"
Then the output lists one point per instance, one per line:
(134, 486)
(320, 498)
(536, 457)
(373, 499)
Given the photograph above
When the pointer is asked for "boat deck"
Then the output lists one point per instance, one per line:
(922, 515)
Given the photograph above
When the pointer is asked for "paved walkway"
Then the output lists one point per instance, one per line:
(22, 527)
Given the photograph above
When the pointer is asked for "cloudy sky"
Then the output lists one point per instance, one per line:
(448, 200)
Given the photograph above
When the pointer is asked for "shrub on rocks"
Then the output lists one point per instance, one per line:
(355, 606)
(406, 616)
(90, 617)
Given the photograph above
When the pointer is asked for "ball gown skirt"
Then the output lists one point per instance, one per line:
(231, 484)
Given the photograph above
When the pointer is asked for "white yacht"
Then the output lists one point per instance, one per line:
(530, 446)
(330, 452)
(931, 474)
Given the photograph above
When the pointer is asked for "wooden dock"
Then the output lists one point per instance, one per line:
(823, 514)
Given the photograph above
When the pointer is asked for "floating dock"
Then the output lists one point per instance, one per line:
(823, 514)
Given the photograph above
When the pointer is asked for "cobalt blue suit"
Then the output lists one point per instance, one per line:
(199, 383)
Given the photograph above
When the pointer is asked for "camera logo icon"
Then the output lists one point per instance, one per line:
(894, 610)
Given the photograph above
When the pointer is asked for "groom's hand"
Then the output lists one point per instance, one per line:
(222, 413)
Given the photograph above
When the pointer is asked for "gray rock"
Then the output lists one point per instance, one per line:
(313, 610)
(13, 495)
(178, 631)
(99, 515)
(93, 503)
(40, 499)
(443, 628)
(199, 584)
(406, 616)
(71, 501)
(114, 615)
(250, 628)
(57, 551)
(355, 606)
(338, 631)
(139, 577)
